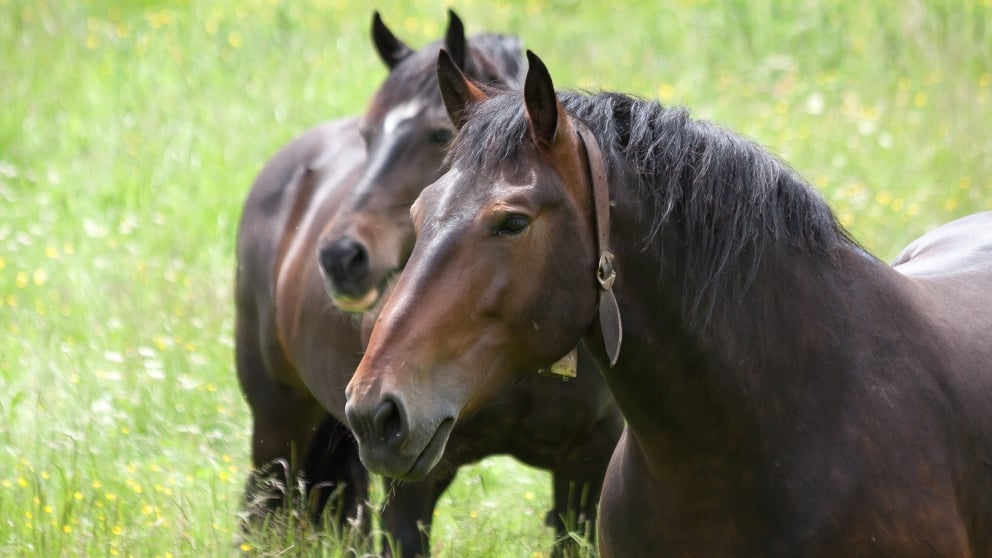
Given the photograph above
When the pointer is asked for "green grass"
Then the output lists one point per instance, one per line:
(130, 131)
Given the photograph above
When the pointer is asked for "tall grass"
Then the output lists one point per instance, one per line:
(130, 131)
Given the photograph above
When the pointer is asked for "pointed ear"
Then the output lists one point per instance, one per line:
(541, 102)
(391, 50)
(457, 91)
(454, 39)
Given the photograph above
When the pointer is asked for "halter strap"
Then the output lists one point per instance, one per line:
(609, 312)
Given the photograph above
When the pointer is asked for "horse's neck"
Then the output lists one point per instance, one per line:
(711, 388)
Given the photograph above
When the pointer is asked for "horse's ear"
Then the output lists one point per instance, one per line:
(541, 102)
(391, 50)
(457, 91)
(454, 39)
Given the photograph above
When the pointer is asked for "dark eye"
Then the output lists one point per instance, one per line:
(440, 136)
(514, 224)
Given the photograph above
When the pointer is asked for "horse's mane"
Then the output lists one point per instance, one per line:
(730, 199)
(495, 59)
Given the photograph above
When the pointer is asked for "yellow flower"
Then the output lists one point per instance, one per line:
(159, 19)
(40, 277)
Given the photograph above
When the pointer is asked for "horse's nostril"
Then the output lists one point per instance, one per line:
(345, 261)
(387, 421)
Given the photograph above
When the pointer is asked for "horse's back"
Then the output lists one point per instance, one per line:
(295, 192)
(961, 247)
(332, 148)
(952, 266)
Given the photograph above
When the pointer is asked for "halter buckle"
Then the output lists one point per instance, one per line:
(605, 273)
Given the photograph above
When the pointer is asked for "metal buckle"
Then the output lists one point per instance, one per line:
(605, 273)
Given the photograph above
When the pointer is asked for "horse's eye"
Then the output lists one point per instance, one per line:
(440, 136)
(514, 224)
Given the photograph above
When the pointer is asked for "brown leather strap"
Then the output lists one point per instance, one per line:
(609, 312)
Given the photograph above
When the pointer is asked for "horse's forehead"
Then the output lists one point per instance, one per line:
(462, 189)
(401, 113)
(411, 85)
(392, 110)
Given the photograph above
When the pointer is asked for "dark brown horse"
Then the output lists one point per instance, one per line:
(786, 393)
(349, 183)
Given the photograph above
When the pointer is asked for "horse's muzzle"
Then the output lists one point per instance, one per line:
(345, 264)
(394, 443)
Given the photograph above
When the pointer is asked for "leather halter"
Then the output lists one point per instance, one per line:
(609, 312)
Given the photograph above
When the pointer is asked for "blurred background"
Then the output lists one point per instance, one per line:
(130, 132)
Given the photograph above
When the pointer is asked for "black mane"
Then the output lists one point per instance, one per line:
(730, 198)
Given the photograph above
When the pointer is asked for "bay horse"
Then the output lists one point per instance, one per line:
(785, 392)
(296, 351)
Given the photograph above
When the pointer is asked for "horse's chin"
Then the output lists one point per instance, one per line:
(367, 302)
(357, 305)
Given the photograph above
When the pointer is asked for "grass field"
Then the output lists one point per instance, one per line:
(130, 132)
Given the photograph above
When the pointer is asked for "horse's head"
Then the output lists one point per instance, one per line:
(406, 131)
(501, 280)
